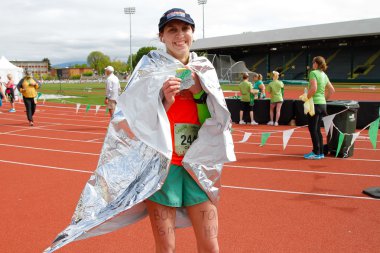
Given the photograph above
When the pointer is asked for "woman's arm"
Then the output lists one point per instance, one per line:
(330, 90)
(312, 89)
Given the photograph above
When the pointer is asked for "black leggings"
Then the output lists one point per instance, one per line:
(314, 125)
(30, 106)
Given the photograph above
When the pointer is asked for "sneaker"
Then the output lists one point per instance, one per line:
(270, 123)
(254, 123)
(275, 123)
(12, 110)
(241, 122)
(322, 156)
(312, 156)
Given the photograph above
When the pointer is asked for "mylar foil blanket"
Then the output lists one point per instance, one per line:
(136, 153)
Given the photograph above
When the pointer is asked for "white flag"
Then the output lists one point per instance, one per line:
(354, 137)
(286, 136)
(78, 105)
(97, 108)
(245, 137)
(44, 101)
(327, 121)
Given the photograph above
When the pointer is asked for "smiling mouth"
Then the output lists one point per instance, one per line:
(180, 43)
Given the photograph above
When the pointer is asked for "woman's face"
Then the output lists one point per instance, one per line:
(315, 65)
(255, 78)
(178, 38)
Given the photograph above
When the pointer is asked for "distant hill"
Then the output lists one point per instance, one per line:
(68, 64)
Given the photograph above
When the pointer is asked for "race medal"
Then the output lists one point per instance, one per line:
(185, 75)
(184, 136)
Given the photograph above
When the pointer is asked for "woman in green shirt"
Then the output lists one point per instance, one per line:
(259, 85)
(318, 81)
(246, 90)
(275, 88)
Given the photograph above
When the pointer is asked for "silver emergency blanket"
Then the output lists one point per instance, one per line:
(135, 158)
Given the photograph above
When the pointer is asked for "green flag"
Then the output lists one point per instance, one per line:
(39, 95)
(373, 131)
(264, 138)
(340, 141)
(88, 108)
(107, 110)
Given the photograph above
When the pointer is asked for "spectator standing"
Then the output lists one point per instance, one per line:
(259, 85)
(10, 92)
(28, 87)
(246, 89)
(275, 88)
(318, 81)
(112, 89)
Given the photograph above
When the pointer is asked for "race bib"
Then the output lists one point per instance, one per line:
(184, 136)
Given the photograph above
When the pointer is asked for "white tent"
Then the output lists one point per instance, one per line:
(7, 67)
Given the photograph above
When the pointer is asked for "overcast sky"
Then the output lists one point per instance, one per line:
(68, 30)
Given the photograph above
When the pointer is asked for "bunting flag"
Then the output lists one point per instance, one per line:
(97, 107)
(88, 108)
(264, 138)
(286, 136)
(340, 141)
(328, 122)
(245, 137)
(43, 102)
(39, 95)
(354, 137)
(107, 110)
(373, 131)
(78, 106)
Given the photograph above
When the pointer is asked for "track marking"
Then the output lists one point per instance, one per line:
(301, 171)
(63, 124)
(52, 150)
(300, 156)
(46, 167)
(299, 193)
(44, 117)
(52, 138)
(223, 186)
(56, 130)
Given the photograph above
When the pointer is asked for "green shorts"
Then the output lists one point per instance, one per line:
(179, 190)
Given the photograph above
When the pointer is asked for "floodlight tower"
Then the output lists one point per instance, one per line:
(130, 11)
(203, 2)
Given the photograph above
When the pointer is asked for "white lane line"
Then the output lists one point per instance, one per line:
(224, 186)
(52, 150)
(55, 130)
(62, 124)
(94, 140)
(300, 156)
(302, 171)
(47, 167)
(52, 138)
(62, 118)
(299, 193)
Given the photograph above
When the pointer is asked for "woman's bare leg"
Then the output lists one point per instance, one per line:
(162, 219)
(204, 218)
(278, 111)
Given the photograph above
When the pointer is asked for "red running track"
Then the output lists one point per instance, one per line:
(272, 199)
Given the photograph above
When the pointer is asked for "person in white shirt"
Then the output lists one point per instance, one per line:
(112, 89)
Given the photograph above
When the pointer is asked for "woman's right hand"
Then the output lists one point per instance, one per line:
(170, 90)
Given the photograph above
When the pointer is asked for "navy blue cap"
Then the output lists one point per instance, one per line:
(175, 14)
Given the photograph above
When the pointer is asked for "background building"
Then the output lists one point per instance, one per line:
(37, 67)
(352, 50)
(68, 73)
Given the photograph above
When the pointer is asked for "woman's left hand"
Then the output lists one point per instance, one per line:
(197, 87)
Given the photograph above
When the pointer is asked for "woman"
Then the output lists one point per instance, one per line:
(318, 81)
(259, 85)
(246, 103)
(10, 92)
(275, 88)
(28, 87)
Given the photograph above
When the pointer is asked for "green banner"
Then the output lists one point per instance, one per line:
(340, 141)
(373, 132)
(264, 138)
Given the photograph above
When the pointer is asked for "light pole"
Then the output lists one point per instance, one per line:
(130, 11)
(203, 2)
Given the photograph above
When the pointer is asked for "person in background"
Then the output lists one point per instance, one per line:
(259, 85)
(318, 81)
(28, 87)
(112, 89)
(10, 92)
(246, 89)
(2, 94)
(275, 88)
